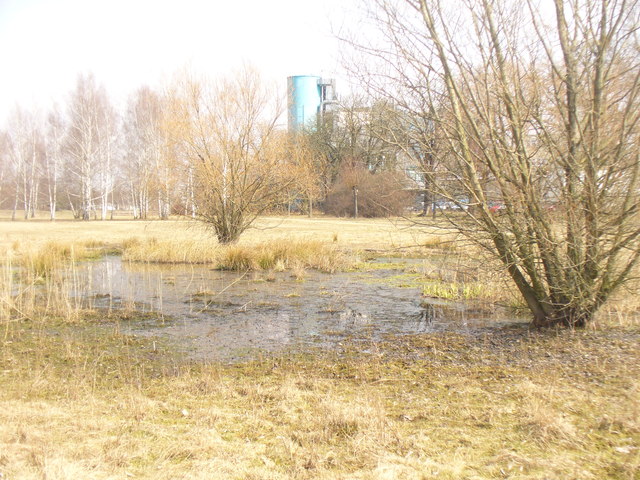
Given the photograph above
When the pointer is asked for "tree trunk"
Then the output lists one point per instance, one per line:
(15, 203)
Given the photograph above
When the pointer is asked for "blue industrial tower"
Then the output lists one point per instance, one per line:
(309, 98)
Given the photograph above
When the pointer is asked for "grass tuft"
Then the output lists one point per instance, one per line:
(277, 255)
(460, 290)
(152, 250)
(285, 255)
(41, 263)
(444, 244)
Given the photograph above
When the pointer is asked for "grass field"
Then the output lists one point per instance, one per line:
(81, 400)
(380, 234)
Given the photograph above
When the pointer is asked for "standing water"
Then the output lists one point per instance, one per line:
(230, 316)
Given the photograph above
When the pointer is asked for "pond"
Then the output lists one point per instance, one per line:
(230, 316)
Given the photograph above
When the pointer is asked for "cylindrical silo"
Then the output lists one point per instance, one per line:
(303, 101)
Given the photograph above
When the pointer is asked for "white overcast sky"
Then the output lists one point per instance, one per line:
(128, 43)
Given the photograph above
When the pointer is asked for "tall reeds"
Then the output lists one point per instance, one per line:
(278, 255)
(285, 255)
(42, 284)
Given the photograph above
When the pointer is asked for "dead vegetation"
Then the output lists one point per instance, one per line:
(90, 402)
(81, 399)
(278, 254)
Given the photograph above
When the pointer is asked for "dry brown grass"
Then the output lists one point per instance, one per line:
(154, 250)
(396, 236)
(91, 403)
(79, 399)
(276, 255)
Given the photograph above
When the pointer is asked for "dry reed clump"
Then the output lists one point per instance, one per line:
(8, 304)
(153, 250)
(442, 243)
(277, 255)
(37, 285)
(285, 255)
(46, 283)
(42, 262)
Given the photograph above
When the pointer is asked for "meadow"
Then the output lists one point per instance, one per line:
(82, 399)
(380, 234)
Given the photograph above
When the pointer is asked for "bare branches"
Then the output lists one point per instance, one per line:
(538, 110)
(227, 133)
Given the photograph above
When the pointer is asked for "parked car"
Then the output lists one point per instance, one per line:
(449, 205)
(495, 207)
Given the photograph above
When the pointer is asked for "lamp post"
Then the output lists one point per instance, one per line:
(355, 202)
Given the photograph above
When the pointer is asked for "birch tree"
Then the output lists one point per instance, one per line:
(139, 151)
(151, 171)
(108, 128)
(538, 104)
(54, 148)
(90, 143)
(25, 145)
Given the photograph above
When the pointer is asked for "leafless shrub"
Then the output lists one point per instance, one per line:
(378, 195)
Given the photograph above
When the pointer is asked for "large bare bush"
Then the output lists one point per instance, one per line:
(537, 106)
(376, 195)
(226, 130)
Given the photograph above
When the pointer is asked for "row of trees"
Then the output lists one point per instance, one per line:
(85, 156)
(205, 148)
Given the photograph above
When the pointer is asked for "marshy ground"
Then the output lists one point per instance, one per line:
(83, 397)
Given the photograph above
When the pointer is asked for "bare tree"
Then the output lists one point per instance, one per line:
(227, 131)
(538, 103)
(90, 143)
(25, 143)
(305, 167)
(359, 192)
(150, 166)
(359, 131)
(54, 146)
(352, 136)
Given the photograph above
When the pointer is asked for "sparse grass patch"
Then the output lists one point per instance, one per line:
(444, 277)
(278, 255)
(461, 290)
(153, 250)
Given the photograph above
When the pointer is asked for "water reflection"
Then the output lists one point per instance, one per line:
(227, 315)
